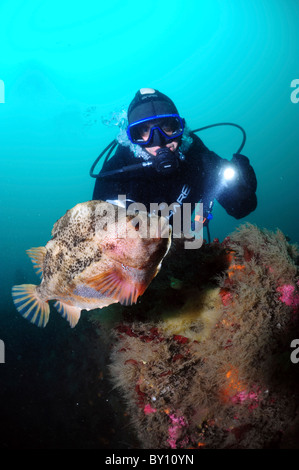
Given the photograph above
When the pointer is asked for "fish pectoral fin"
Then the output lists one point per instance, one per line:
(37, 256)
(117, 285)
(69, 312)
(30, 306)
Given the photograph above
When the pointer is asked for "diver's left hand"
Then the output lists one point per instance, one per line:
(245, 173)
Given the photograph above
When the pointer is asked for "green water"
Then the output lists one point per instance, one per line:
(64, 65)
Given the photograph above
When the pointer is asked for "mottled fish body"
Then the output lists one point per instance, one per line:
(98, 255)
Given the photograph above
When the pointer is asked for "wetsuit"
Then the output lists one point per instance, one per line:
(199, 178)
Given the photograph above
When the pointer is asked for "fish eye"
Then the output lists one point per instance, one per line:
(110, 246)
(135, 224)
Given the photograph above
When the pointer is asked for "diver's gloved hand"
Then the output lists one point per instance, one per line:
(238, 187)
(245, 176)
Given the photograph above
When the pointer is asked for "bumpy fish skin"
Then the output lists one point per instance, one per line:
(96, 257)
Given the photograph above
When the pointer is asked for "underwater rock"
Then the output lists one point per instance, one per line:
(208, 365)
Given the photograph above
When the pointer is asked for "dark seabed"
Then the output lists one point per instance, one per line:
(54, 388)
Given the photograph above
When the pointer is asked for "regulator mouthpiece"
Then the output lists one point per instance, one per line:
(165, 161)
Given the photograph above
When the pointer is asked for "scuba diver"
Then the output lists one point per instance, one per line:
(159, 160)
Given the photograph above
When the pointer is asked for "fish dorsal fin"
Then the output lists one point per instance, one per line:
(69, 312)
(37, 256)
(117, 285)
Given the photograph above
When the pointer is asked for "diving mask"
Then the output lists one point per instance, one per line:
(169, 126)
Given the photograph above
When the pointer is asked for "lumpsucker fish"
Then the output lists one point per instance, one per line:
(99, 254)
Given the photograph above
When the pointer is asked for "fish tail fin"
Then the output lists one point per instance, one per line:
(30, 305)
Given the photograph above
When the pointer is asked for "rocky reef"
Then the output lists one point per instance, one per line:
(203, 359)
